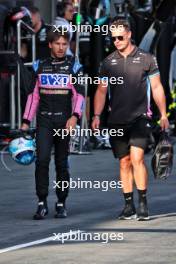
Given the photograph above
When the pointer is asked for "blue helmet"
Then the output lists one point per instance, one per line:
(22, 150)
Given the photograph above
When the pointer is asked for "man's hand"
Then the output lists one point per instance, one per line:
(71, 122)
(96, 123)
(164, 122)
(24, 127)
(160, 100)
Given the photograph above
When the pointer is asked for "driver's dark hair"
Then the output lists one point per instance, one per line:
(55, 33)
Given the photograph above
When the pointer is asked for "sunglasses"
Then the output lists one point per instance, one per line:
(117, 37)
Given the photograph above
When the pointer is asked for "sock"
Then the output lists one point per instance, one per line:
(60, 204)
(128, 198)
(142, 196)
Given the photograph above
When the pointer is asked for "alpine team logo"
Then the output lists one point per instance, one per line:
(137, 60)
(54, 80)
(113, 62)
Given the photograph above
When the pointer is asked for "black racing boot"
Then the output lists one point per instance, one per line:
(60, 210)
(42, 211)
(128, 213)
(142, 212)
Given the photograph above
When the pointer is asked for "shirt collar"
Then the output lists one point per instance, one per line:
(132, 54)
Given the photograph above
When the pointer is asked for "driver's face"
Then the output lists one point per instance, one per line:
(58, 47)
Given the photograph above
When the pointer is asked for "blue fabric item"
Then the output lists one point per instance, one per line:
(77, 65)
(36, 65)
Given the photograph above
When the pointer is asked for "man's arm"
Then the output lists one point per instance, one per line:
(100, 98)
(78, 92)
(99, 103)
(31, 107)
(160, 99)
(32, 99)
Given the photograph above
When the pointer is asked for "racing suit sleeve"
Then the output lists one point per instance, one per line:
(31, 105)
(33, 97)
(152, 66)
(78, 92)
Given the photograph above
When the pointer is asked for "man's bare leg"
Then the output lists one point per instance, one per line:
(126, 176)
(139, 168)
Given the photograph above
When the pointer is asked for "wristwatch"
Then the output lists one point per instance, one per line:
(96, 116)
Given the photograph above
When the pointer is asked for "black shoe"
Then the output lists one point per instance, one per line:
(60, 211)
(128, 213)
(42, 211)
(142, 212)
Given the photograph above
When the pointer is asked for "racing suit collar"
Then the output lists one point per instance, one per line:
(58, 59)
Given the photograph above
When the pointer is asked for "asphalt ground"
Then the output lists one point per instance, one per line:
(90, 211)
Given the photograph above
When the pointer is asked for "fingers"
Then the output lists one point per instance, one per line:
(95, 124)
(164, 123)
(70, 125)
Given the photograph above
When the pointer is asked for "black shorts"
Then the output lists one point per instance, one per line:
(134, 134)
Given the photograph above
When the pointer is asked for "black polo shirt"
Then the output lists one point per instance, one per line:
(130, 94)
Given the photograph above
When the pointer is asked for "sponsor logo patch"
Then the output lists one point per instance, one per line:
(53, 91)
(137, 60)
(113, 62)
(54, 79)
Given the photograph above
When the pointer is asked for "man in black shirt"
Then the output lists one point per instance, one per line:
(135, 71)
(41, 29)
